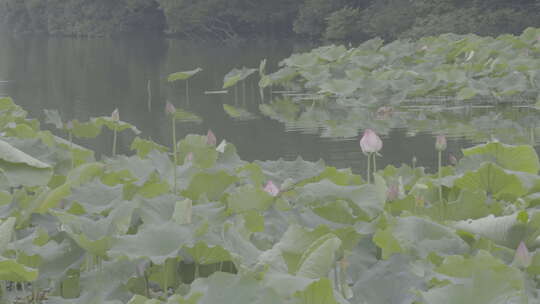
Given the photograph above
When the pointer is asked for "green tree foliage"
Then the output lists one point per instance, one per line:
(330, 20)
(81, 17)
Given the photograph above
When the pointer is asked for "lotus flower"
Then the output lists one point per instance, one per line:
(115, 115)
(370, 142)
(211, 138)
(440, 143)
(221, 147)
(393, 192)
(522, 257)
(169, 108)
(271, 188)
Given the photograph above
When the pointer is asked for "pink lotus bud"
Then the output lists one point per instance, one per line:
(522, 257)
(69, 125)
(370, 142)
(211, 138)
(271, 188)
(440, 143)
(115, 116)
(169, 108)
(452, 159)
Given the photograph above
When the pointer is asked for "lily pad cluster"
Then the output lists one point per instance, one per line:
(114, 230)
(458, 67)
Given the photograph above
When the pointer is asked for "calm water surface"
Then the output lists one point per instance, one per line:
(85, 78)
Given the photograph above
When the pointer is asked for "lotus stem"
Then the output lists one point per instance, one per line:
(187, 91)
(175, 154)
(114, 141)
(149, 91)
(369, 168)
(440, 176)
(70, 138)
(374, 163)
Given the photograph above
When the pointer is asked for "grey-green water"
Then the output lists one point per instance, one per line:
(83, 78)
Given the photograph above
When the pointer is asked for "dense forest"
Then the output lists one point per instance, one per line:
(329, 20)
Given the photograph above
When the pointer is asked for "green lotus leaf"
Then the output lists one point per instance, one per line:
(89, 129)
(319, 292)
(494, 180)
(10, 270)
(143, 147)
(183, 75)
(7, 228)
(489, 281)
(204, 254)
(390, 281)
(518, 158)
(236, 75)
(506, 230)
(418, 237)
(95, 197)
(369, 199)
(339, 87)
(238, 113)
(80, 175)
(302, 61)
(229, 288)
(248, 197)
(111, 124)
(22, 169)
(53, 117)
(156, 242)
(210, 184)
(340, 177)
(319, 257)
(181, 115)
(5, 198)
(203, 154)
(466, 93)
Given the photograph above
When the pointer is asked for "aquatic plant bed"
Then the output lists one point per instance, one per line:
(74, 229)
(454, 67)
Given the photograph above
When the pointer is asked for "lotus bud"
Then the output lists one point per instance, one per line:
(452, 159)
(370, 142)
(221, 147)
(169, 108)
(522, 258)
(211, 138)
(115, 116)
(271, 188)
(440, 143)
(69, 125)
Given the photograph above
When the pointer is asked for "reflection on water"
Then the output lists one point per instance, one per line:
(83, 78)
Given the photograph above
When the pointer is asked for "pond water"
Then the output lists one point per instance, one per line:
(85, 78)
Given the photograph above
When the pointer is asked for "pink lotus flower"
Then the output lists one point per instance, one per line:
(271, 188)
(522, 257)
(370, 142)
(211, 138)
(393, 192)
(440, 143)
(115, 115)
(169, 108)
